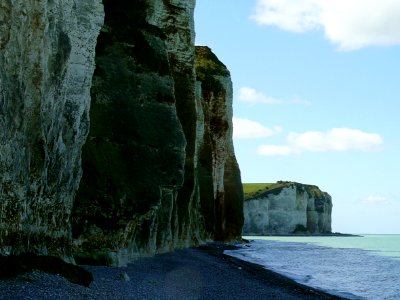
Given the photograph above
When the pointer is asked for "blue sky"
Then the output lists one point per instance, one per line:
(316, 98)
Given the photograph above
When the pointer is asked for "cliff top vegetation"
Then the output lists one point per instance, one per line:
(208, 64)
(207, 67)
(257, 190)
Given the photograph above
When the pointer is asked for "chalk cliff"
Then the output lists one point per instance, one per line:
(47, 51)
(159, 170)
(218, 171)
(134, 158)
(153, 128)
(288, 208)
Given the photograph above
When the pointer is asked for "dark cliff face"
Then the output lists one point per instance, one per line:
(159, 170)
(134, 156)
(143, 188)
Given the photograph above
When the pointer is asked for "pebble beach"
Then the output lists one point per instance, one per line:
(195, 273)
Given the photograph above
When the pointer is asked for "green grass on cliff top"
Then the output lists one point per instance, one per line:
(208, 64)
(254, 190)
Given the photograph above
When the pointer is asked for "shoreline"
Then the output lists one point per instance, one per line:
(338, 234)
(204, 272)
(269, 276)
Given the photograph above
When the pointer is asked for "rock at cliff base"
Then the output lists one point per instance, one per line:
(12, 266)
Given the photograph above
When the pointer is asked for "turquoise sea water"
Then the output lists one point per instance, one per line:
(379, 244)
(366, 267)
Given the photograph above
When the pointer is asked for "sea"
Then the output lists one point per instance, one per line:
(353, 267)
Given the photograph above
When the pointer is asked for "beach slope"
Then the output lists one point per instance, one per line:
(195, 273)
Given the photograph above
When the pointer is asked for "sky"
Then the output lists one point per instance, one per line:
(316, 98)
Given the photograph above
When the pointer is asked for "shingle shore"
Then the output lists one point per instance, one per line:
(196, 273)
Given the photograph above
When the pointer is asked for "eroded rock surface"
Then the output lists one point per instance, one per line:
(133, 161)
(46, 66)
(221, 192)
(147, 187)
(291, 209)
(159, 170)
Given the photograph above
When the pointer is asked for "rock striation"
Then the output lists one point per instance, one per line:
(288, 208)
(159, 171)
(218, 172)
(134, 158)
(47, 51)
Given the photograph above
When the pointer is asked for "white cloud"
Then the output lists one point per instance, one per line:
(252, 96)
(298, 16)
(248, 129)
(351, 24)
(336, 139)
(375, 200)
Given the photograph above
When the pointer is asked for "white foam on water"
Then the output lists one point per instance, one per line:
(348, 272)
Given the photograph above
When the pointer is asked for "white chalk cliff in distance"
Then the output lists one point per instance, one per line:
(287, 208)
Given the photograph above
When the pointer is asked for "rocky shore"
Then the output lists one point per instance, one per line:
(194, 273)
